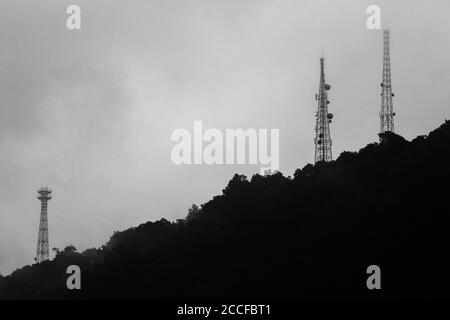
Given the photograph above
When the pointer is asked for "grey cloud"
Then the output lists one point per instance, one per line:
(90, 112)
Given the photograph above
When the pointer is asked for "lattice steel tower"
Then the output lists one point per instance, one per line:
(323, 120)
(387, 110)
(42, 253)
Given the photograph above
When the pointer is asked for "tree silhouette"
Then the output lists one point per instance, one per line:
(273, 237)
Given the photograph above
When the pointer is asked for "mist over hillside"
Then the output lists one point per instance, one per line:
(310, 236)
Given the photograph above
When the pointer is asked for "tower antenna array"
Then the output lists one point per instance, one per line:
(322, 141)
(42, 252)
(387, 110)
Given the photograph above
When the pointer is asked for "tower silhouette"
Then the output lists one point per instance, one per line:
(42, 252)
(323, 119)
(387, 110)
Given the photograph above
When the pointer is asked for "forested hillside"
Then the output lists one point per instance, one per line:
(303, 237)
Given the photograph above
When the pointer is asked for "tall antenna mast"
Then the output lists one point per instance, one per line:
(323, 119)
(42, 252)
(387, 110)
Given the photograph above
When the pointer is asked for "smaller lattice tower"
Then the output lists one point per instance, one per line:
(42, 252)
(387, 110)
(322, 141)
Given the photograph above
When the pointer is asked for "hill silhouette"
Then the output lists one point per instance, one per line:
(311, 236)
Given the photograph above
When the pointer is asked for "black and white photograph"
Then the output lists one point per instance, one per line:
(223, 156)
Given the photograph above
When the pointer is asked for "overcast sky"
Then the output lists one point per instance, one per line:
(90, 112)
